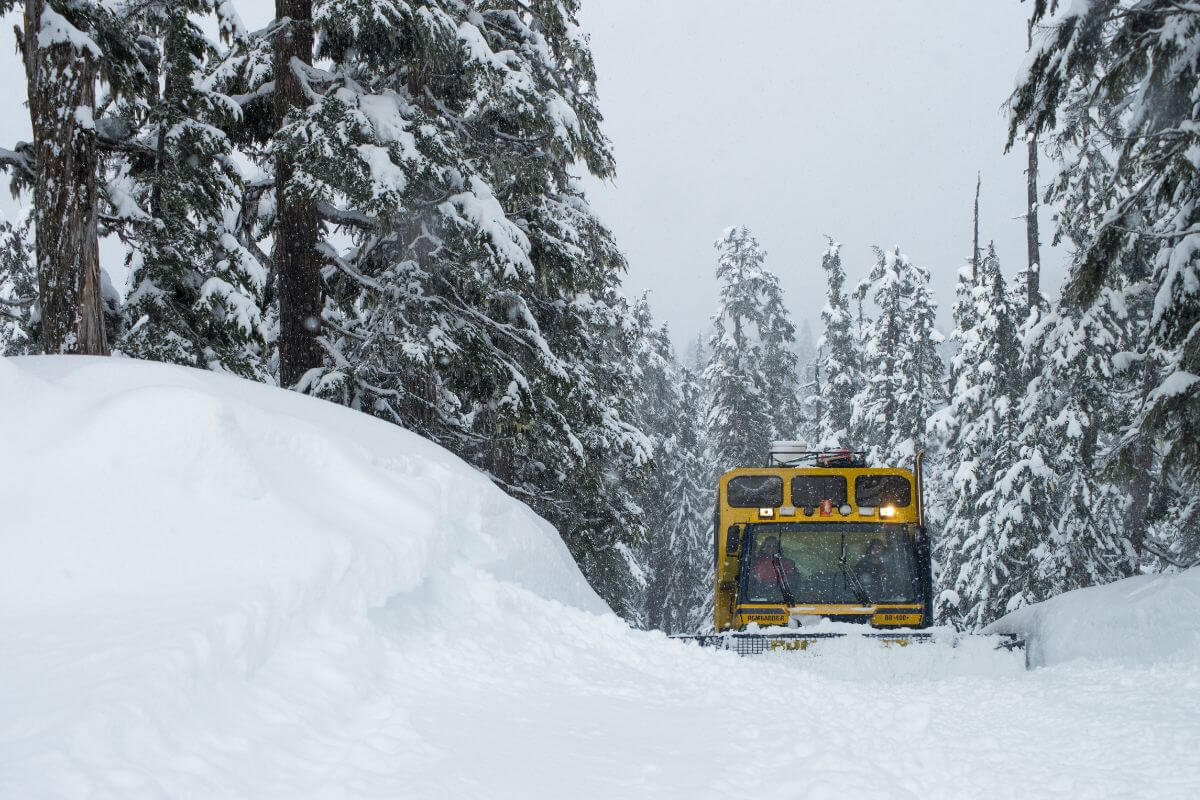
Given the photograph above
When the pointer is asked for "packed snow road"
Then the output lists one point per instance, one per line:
(215, 589)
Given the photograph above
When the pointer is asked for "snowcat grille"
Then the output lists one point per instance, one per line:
(753, 644)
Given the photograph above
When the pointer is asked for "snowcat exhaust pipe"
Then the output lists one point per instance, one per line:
(919, 475)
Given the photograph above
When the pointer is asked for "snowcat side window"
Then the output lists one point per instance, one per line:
(809, 490)
(755, 491)
(882, 490)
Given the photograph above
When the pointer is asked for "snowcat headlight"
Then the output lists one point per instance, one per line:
(866, 511)
(845, 510)
(766, 513)
(887, 511)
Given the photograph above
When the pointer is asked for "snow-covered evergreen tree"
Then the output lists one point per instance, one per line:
(839, 368)
(690, 522)
(1113, 90)
(807, 358)
(781, 364)
(982, 548)
(739, 420)
(902, 370)
(875, 406)
(1089, 544)
(921, 362)
(675, 496)
(72, 51)
(994, 574)
(195, 295)
(653, 362)
(476, 302)
(18, 291)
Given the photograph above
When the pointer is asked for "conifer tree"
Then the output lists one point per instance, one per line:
(875, 406)
(739, 419)
(690, 522)
(674, 497)
(921, 364)
(196, 296)
(781, 365)
(839, 366)
(18, 290)
(476, 302)
(1089, 544)
(980, 551)
(71, 51)
(990, 571)
(654, 365)
(901, 365)
(1107, 79)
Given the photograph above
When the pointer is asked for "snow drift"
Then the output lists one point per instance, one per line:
(1146, 619)
(211, 588)
(173, 537)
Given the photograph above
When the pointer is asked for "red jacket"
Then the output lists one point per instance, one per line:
(764, 569)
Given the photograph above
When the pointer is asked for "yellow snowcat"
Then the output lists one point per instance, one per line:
(814, 540)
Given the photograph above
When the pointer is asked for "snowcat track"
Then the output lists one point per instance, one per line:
(753, 644)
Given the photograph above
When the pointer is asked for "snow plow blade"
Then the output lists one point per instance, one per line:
(752, 644)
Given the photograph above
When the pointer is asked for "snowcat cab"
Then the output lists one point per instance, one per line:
(816, 536)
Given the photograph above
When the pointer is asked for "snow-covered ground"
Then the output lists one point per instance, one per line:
(211, 589)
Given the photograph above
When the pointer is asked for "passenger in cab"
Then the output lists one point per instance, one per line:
(870, 568)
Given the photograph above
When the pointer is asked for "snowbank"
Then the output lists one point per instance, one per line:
(161, 484)
(1147, 619)
(215, 589)
(166, 533)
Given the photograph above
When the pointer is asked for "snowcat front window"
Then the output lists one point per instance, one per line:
(882, 490)
(808, 491)
(834, 563)
(755, 491)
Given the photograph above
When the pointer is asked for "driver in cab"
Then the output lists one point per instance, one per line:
(770, 565)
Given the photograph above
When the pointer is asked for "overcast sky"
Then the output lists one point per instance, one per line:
(866, 121)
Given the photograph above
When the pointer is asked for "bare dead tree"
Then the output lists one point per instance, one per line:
(1033, 244)
(975, 245)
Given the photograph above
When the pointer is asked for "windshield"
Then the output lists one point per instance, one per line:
(811, 563)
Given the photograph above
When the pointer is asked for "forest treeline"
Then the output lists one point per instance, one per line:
(377, 202)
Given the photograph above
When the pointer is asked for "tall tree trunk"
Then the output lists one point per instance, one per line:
(1143, 503)
(975, 242)
(61, 82)
(296, 259)
(1032, 243)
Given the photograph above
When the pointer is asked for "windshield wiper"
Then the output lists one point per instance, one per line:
(852, 579)
(777, 562)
